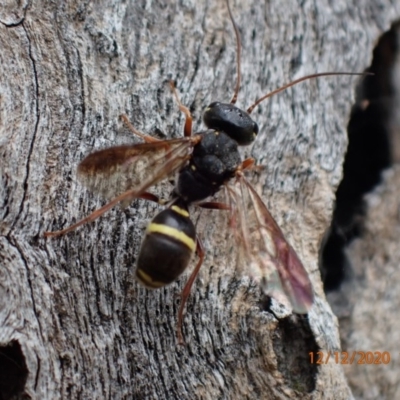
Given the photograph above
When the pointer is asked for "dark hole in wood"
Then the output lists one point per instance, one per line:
(371, 133)
(13, 371)
(293, 341)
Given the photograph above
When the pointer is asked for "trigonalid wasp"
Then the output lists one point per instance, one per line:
(205, 162)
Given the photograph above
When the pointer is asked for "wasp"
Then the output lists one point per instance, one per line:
(205, 163)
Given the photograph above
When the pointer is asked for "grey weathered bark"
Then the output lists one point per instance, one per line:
(71, 314)
(368, 301)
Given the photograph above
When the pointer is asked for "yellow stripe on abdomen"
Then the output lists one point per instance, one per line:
(147, 280)
(180, 211)
(174, 233)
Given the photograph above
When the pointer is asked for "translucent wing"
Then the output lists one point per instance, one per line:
(263, 249)
(110, 172)
(130, 170)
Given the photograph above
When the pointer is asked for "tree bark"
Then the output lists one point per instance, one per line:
(73, 322)
(368, 299)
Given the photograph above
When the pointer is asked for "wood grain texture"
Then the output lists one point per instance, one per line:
(370, 298)
(68, 70)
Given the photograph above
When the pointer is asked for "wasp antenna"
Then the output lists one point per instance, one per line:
(304, 78)
(238, 53)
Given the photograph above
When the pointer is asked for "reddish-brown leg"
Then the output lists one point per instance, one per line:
(213, 205)
(189, 120)
(128, 195)
(186, 290)
(248, 163)
(146, 138)
(151, 197)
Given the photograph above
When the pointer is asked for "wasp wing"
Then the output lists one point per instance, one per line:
(131, 170)
(263, 248)
(112, 171)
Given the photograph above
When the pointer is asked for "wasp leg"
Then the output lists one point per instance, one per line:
(99, 212)
(146, 138)
(150, 197)
(187, 131)
(213, 205)
(248, 163)
(186, 290)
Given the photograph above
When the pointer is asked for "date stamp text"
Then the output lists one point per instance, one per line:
(352, 357)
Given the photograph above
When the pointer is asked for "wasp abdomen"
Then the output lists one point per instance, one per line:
(167, 247)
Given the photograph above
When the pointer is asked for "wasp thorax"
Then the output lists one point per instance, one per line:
(235, 122)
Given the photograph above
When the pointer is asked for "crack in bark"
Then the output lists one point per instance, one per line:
(13, 243)
(197, 58)
(20, 21)
(25, 262)
(35, 131)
